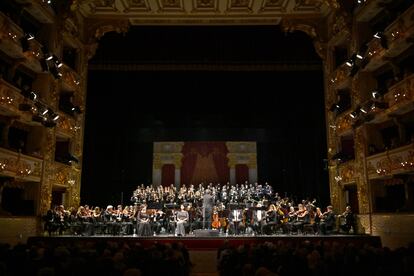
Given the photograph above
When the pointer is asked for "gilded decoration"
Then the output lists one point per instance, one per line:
(310, 28)
(347, 172)
(67, 125)
(238, 5)
(205, 5)
(19, 165)
(274, 5)
(362, 180)
(390, 162)
(340, 75)
(344, 123)
(241, 147)
(401, 92)
(171, 4)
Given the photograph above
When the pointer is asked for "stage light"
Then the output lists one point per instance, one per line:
(378, 35)
(49, 57)
(359, 56)
(59, 64)
(45, 111)
(354, 114)
(349, 63)
(375, 94)
(29, 36)
(363, 110)
(77, 109)
(55, 117)
(33, 96)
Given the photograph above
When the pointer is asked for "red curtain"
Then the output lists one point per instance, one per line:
(167, 174)
(204, 161)
(242, 173)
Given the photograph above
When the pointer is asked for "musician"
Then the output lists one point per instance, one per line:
(349, 220)
(236, 224)
(259, 219)
(327, 221)
(182, 221)
(144, 228)
(207, 208)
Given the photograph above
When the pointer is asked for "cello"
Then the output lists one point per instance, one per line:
(216, 221)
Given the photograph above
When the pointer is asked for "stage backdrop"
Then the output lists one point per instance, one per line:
(197, 162)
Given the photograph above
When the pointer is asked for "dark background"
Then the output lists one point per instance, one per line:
(129, 110)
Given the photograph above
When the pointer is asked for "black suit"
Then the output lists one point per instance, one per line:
(208, 210)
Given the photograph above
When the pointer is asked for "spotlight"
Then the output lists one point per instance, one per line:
(33, 96)
(334, 107)
(359, 56)
(375, 94)
(77, 109)
(55, 72)
(349, 63)
(382, 38)
(354, 114)
(45, 111)
(49, 57)
(378, 35)
(59, 64)
(363, 110)
(55, 117)
(29, 36)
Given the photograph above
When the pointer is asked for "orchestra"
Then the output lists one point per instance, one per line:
(247, 209)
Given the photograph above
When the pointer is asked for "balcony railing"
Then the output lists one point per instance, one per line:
(63, 175)
(346, 172)
(10, 101)
(339, 78)
(397, 34)
(395, 161)
(400, 95)
(10, 37)
(70, 79)
(21, 166)
(66, 125)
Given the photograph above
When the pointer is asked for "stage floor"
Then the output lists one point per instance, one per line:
(212, 243)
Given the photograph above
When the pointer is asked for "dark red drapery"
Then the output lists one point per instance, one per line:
(167, 174)
(242, 173)
(204, 161)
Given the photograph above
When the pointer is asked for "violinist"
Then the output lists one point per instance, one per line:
(327, 221)
(348, 220)
(259, 219)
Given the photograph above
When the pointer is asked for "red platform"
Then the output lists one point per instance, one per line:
(213, 243)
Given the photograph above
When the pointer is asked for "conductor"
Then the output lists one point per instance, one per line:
(207, 209)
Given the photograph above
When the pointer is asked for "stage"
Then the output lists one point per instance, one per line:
(192, 242)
